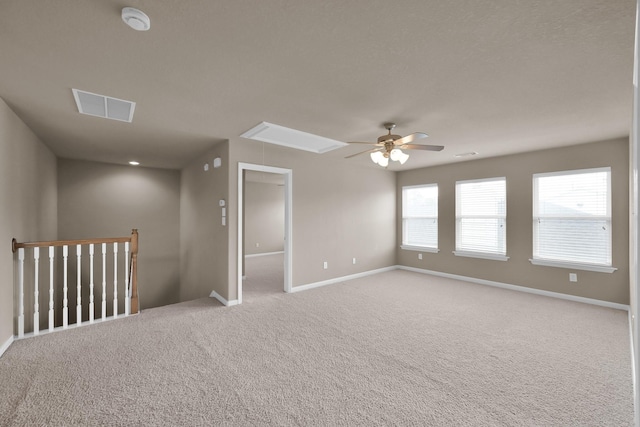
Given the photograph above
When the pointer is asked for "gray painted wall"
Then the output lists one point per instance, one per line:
(518, 170)
(264, 218)
(203, 239)
(340, 212)
(28, 201)
(106, 200)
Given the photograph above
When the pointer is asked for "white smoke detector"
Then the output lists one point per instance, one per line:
(136, 19)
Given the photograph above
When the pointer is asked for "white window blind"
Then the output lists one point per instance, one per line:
(572, 216)
(481, 213)
(420, 216)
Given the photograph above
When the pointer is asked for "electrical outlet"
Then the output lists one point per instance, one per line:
(326, 265)
(419, 256)
(573, 277)
(354, 261)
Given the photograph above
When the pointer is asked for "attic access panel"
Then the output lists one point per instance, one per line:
(292, 138)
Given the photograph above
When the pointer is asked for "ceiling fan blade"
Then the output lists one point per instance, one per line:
(410, 138)
(362, 152)
(359, 142)
(422, 147)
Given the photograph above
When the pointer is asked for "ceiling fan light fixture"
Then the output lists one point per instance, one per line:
(392, 147)
(403, 157)
(376, 156)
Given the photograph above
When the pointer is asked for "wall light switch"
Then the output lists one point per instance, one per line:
(419, 256)
(573, 277)
(354, 261)
(326, 265)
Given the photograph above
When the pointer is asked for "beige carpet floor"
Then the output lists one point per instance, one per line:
(264, 277)
(397, 348)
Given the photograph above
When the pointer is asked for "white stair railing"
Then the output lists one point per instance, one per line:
(28, 254)
(36, 294)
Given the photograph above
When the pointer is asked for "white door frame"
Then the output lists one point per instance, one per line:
(634, 203)
(288, 229)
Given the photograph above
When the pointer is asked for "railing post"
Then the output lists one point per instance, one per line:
(65, 289)
(36, 291)
(91, 297)
(134, 272)
(51, 255)
(115, 280)
(127, 293)
(104, 281)
(79, 285)
(21, 292)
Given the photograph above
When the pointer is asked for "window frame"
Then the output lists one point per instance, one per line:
(597, 267)
(495, 256)
(420, 248)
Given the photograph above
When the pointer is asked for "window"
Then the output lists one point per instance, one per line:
(481, 214)
(572, 219)
(420, 217)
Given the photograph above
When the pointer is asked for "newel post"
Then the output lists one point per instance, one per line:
(134, 271)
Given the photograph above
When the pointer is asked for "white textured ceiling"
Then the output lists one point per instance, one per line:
(492, 76)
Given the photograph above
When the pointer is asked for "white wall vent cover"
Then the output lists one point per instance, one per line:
(104, 106)
(280, 135)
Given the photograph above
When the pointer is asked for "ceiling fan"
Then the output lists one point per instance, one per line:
(391, 146)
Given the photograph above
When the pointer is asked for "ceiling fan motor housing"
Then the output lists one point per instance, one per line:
(388, 138)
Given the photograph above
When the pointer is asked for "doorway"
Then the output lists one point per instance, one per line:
(283, 179)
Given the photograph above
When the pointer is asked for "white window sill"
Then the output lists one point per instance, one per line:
(574, 266)
(419, 249)
(482, 255)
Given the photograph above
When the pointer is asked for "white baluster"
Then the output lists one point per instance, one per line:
(91, 312)
(65, 289)
(115, 280)
(127, 296)
(21, 292)
(79, 285)
(36, 279)
(51, 256)
(104, 281)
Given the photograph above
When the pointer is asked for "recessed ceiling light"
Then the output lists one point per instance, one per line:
(134, 163)
(470, 153)
(136, 19)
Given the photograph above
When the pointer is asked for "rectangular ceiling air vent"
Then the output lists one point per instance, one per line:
(104, 106)
(292, 138)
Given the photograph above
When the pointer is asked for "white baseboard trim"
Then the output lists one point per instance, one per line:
(341, 279)
(264, 254)
(223, 300)
(6, 345)
(519, 288)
